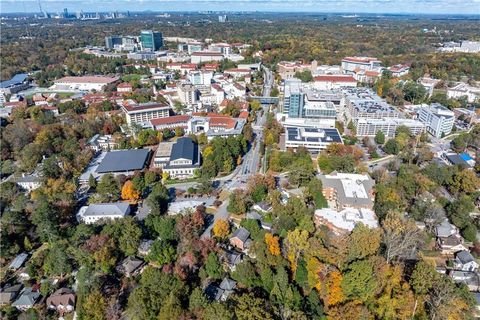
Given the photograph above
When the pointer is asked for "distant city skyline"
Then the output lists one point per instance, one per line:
(327, 6)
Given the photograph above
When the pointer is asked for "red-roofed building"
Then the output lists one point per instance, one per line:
(399, 70)
(179, 121)
(16, 104)
(211, 66)
(124, 87)
(329, 82)
(244, 115)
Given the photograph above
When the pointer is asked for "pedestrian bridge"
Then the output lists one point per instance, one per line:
(266, 100)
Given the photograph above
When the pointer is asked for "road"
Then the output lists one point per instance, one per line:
(251, 161)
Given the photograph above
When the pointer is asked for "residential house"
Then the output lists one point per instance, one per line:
(29, 182)
(96, 212)
(464, 261)
(18, 261)
(470, 279)
(222, 291)
(105, 143)
(124, 87)
(130, 266)
(230, 259)
(145, 247)
(62, 300)
(9, 294)
(240, 238)
(27, 299)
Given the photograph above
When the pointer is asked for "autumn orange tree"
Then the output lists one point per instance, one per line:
(273, 244)
(221, 228)
(129, 193)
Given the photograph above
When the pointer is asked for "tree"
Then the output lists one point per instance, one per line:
(162, 252)
(392, 147)
(108, 187)
(94, 306)
(295, 243)
(152, 293)
(158, 198)
(197, 300)
(221, 228)
(217, 310)
(334, 289)
(465, 181)
(249, 307)
(363, 242)
(92, 182)
(213, 267)
(238, 202)
(163, 226)
(129, 192)
(379, 137)
(273, 244)
(57, 262)
(359, 282)
(401, 237)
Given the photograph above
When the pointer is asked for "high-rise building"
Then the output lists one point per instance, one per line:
(438, 119)
(151, 40)
(292, 97)
(223, 18)
(112, 41)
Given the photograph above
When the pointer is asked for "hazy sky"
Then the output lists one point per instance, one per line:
(356, 6)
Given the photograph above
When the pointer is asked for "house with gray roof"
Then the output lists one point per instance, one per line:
(27, 299)
(184, 159)
(9, 294)
(18, 262)
(348, 190)
(29, 182)
(130, 266)
(220, 292)
(103, 211)
(240, 238)
(464, 261)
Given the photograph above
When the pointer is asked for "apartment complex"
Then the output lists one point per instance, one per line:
(348, 190)
(438, 119)
(369, 127)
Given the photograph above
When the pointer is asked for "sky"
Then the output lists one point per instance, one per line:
(350, 6)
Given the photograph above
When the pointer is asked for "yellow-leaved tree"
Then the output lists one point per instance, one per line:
(221, 228)
(129, 193)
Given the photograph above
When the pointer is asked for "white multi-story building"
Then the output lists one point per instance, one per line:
(329, 82)
(364, 103)
(438, 119)
(464, 90)
(200, 77)
(370, 127)
(140, 113)
(103, 211)
(314, 139)
(105, 143)
(351, 65)
(187, 93)
(84, 83)
(223, 48)
(399, 70)
(205, 56)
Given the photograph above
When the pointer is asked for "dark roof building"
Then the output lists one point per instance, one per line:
(184, 159)
(124, 161)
